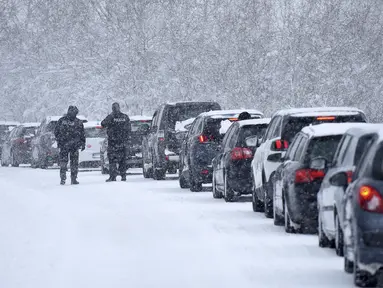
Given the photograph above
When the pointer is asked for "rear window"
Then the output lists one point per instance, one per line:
(249, 131)
(323, 147)
(137, 125)
(183, 112)
(295, 124)
(363, 144)
(28, 131)
(95, 132)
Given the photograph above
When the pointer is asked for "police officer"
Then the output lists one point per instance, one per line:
(70, 137)
(118, 129)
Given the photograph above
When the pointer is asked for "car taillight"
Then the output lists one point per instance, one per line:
(280, 145)
(89, 146)
(205, 139)
(349, 176)
(325, 118)
(370, 199)
(239, 153)
(308, 175)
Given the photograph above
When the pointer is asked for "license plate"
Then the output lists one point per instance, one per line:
(161, 134)
(96, 155)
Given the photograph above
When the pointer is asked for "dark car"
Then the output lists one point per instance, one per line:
(5, 128)
(283, 127)
(363, 216)
(140, 127)
(203, 143)
(300, 176)
(17, 148)
(162, 146)
(232, 165)
(354, 143)
(44, 145)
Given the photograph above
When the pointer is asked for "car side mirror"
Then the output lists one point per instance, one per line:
(276, 157)
(252, 141)
(318, 163)
(339, 179)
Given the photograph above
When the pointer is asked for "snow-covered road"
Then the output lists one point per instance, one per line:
(145, 234)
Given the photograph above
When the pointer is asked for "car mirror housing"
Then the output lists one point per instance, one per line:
(339, 179)
(318, 163)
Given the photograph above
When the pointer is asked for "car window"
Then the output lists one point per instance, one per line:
(294, 145)
(322, 147)
(377, 164)
(364, 143)
(300, 148)
(341, 149)
(270, 129)
(229, 137)
(278, 126)
(155, 119)
(249, 131)
(233, 138)
(226, 137)
(94, 132)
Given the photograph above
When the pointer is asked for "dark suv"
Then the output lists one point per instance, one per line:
(161, 147)
(202, 144)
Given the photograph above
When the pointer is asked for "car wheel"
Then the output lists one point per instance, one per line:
(104, 170)
(348, 265)
(288, 227)
(158, 174)
(338, 237)
(228, 194)
(278, 219)
(172, 170)
(323, 241)
(268, 202)
(182, 181)
(363, 278)
(195, 185)
(216, 193)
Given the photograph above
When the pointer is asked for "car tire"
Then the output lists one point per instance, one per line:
(182, 181)
(268, 202)
(278, 219)
(172, 170)
(228, 194)
(363, 278)
(323, 241)
(288, 227)
(216, 193)
(348, 265)
(195, 185)
(158, 173)
(338, 237)
(257, 204)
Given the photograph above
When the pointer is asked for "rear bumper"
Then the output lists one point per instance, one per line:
(89, 156)
(370, 250)
(239, 176)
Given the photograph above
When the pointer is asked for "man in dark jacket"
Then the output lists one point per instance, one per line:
(70, 137)
(119, 130)
(244, 116)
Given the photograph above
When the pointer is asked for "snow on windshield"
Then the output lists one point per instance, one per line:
(225, 125)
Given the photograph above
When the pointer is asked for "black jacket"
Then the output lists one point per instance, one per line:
(119, 128)
(70, 133)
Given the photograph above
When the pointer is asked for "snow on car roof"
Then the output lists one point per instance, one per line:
(181, 125)
(229, 113)
(30, 124)
(7, 123)
(254, 122)
(140, 118)
(365, 129)
(328, 129)
(315, 111)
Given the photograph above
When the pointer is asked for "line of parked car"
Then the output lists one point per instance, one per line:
(312, 170)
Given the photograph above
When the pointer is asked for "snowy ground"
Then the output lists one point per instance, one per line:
(145, 234)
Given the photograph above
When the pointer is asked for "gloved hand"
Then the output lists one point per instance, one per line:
(82, 147)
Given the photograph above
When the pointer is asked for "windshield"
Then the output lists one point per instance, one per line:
(95, 133)
(255, 130)
(323, 147)
(295, 124)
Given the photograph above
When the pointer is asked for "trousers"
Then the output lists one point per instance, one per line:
(117, 156)
(63, 162)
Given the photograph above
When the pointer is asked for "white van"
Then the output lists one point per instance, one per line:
(94, 135)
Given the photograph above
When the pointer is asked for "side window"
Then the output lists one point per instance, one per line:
(227, 136)
(293, 148)
(278, 128)
(343, 149)
(195, 128)
(233, 138)
(154, 121)
(300, 149)
(270, 129)
(377, 164)
(364, 144)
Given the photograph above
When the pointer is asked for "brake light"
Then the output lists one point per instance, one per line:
(325, 118)
(239, 153)
(98, 127)
(280, 145)
(167, 158)
(205, 139)
(161, 139)
(89, 146)
(233, 119)
(205, 172)
(308, 175)
(370, 200)
(349, 176)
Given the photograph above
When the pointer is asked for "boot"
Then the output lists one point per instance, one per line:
(111, 179)
(123, 178)
(62, 182)
(74, 181)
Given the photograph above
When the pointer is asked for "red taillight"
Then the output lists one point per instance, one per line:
(308, 175)
(349, 176)
(370, 199)
(89, 146)
(325, 118)
(161, 139)
(205, 172)
(167, 158)
(239, 153)
(280, 145)
(205, 139)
